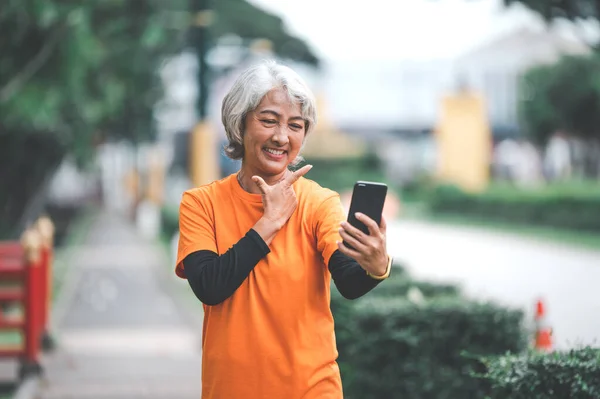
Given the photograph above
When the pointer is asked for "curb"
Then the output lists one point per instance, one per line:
(28, 389)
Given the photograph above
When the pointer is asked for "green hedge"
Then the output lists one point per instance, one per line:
(574, 374)
(169, 221)
(341, 174)
(392, 348)
(399, 285)
(568, 207)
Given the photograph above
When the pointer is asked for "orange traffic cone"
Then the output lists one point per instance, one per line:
(543, 331)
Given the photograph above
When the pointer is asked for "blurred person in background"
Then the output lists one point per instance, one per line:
(260, 247)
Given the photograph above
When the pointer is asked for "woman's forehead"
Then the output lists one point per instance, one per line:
(280, 99)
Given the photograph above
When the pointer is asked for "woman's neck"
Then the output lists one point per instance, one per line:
(245, 179)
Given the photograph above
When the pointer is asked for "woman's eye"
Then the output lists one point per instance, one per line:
(269, 121)
(296, 126)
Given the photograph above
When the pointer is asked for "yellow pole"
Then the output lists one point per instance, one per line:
(203, 155)
(464, 142)
(156, 178)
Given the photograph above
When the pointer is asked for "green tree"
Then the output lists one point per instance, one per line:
(76, 72)
(77, 69)
(573, 10)
(565, 97)
(570, 9)
(86, 69)
(243, 19)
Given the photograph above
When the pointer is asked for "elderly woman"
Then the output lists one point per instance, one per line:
(260, 247)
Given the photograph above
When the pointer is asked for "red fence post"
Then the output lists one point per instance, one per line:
(30, 362)
(46, 229)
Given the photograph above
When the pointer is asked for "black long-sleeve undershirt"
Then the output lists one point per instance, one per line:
(214, 278)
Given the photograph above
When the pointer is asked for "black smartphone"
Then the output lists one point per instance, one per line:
(367, 198)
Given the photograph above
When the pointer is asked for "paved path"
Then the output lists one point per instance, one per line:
(509, 270)
(120, 330)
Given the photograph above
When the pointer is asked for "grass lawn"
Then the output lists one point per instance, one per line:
(581, 239)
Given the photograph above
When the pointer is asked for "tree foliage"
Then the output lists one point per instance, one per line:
(81, 69)
(88, 69)
(76, 72)
(243, 19)
(564, 96)
(573, 10)
(570, 9)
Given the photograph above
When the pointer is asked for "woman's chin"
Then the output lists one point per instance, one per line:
(274, 167)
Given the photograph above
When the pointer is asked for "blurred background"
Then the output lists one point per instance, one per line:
(482, 116)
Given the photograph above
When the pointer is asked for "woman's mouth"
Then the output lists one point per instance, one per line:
(274, 154)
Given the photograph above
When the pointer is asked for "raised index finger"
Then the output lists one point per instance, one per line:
(298, 174)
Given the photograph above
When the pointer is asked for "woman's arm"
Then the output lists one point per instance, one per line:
(214, 278)
(349, 277)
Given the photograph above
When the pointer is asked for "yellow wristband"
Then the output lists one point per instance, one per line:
(387, 271)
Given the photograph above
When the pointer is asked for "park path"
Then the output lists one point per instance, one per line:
(121, 330)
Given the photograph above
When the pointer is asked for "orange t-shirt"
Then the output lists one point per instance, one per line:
(274, 337)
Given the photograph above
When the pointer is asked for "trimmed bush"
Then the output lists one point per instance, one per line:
(392, 348)
(574, 374)
(399, 284)
(169, 221)
(341, 174)
(566, 207)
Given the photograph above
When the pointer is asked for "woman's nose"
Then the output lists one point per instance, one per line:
(281, 136)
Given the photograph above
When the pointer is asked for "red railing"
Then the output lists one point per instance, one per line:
(25, 273)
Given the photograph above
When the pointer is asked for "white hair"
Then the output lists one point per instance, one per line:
(248, 91)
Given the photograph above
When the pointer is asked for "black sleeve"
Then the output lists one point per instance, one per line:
(350, 279)
(214, 278)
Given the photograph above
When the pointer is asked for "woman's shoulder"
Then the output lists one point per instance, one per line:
(209, 191)
(312, 191)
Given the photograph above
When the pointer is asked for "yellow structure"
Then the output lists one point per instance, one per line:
(464, 142)
(132, 183)
(204, 166)
(156, 177)
(326, 141)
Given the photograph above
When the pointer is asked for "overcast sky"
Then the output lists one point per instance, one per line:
(370, 48)
(387, 29)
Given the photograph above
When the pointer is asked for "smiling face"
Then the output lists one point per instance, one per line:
(273, 135)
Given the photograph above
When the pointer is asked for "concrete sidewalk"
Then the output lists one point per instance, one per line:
(122, 329)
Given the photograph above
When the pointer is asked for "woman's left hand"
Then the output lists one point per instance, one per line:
(369, 249)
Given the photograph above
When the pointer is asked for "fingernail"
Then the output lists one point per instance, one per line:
(358, 214)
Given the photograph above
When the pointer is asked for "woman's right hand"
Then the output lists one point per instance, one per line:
(279, 202)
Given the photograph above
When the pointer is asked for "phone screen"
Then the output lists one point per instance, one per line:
(367, 198)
